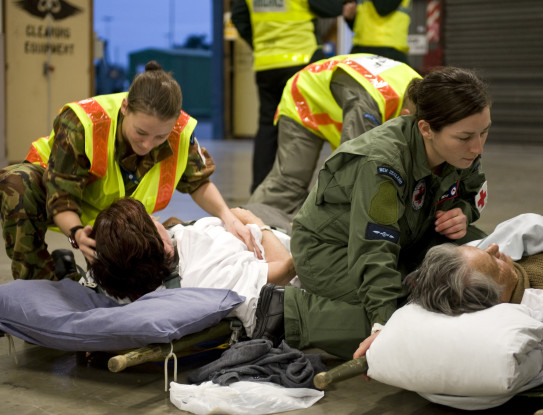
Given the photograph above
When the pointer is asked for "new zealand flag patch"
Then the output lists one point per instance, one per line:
(376, 232)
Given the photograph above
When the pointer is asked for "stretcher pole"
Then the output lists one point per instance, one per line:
(344, 371)
(156, 352)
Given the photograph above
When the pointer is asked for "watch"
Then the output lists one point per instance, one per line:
(71, 238)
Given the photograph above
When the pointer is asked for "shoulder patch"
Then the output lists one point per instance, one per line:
(481, 198)
(418, 195)
(372, 119)
(379, 232)
(384, 204)
(449, 194)
(387, 171)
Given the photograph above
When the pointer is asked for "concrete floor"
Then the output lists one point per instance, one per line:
(54, 382)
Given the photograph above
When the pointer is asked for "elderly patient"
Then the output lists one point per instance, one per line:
(461, 279)
(135, 254)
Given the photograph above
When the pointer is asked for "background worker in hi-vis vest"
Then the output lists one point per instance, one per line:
(380, 27)
(332, 100)
(282, 36)
(138, 144)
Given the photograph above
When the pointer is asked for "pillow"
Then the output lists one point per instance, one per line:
(67, 316)
(491, 352)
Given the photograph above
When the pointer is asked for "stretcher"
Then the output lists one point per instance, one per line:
(67, 316)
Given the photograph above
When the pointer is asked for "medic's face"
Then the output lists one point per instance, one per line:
(458, 144)
(144, 132)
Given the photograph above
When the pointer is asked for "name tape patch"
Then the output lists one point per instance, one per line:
(387, 171)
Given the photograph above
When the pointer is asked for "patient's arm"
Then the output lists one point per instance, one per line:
(280, 264)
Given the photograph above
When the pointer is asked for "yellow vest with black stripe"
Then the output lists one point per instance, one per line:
(371, 29)
(283, 33)
(307, 98)
(98, 116)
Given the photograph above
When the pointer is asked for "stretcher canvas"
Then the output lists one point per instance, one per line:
(65, 315)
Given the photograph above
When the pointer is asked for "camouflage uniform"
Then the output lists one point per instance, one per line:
(31, 195)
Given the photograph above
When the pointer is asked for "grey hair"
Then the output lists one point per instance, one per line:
(444, 283)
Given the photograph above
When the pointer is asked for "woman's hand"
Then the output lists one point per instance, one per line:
(87, 245)
(452, 224)
(237, 228)
(363, 348)
(246, 216)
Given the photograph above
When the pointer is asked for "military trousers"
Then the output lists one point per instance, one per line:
(24, 221)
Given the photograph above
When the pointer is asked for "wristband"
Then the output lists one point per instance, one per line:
(71, 238)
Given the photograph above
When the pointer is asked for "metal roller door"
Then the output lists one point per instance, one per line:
(503, 40)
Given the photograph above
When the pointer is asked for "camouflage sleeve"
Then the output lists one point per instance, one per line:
(67, 173)
(200, 166)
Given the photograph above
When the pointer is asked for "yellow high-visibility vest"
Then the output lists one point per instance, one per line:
(98, 116)
(371, 29)
(307, 98)
(283, 33)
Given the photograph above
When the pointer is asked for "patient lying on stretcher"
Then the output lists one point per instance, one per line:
(135, 254)
(460, 279)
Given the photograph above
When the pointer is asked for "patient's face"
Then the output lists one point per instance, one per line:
(168, 245)
(495, 264)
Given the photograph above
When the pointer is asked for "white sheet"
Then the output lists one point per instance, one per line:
(209, 256)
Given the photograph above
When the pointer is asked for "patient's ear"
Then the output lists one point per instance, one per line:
(405, 111)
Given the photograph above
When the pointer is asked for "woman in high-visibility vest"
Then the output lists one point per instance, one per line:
(332, 100)
(139, 144)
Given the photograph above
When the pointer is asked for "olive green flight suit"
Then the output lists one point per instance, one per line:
(367, 222)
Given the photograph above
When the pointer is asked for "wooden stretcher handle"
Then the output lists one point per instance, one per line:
(344, 371)
(160, 351)
(143, 354)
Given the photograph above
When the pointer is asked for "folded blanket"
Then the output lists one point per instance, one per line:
(257, 360)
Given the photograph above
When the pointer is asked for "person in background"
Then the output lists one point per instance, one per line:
(332, 100)
(282, 36)
(380, 202)
(138, 143)
(380, 27)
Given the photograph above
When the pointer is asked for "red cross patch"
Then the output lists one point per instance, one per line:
(418, 195)
(482, 197)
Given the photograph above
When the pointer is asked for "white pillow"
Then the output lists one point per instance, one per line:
(490, 352)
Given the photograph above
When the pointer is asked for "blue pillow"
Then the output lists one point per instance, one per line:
(67, 316)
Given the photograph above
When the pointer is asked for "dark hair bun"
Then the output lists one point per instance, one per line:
(153, 66)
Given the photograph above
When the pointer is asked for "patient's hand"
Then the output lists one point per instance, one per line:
(246, 216)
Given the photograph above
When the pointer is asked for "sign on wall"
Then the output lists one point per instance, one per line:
(48, 63)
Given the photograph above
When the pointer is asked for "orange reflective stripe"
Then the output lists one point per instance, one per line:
(309, 119)
(34, 157)
(168, 167)
(101, 123)
(392, 99)
(313, 121)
